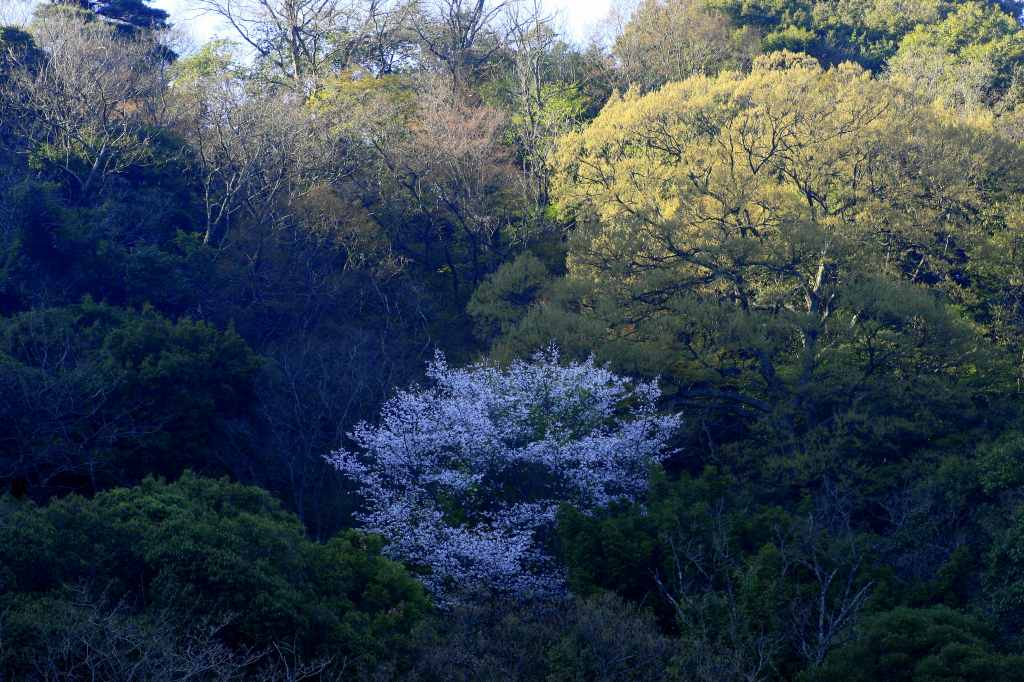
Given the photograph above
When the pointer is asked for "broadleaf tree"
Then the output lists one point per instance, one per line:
(464, 477)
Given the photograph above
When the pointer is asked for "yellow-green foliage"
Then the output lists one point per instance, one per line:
(787, 227)
(774, 172)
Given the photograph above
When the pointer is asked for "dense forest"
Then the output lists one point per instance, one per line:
(413, 340)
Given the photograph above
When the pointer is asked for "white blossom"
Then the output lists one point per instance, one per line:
(463, 478)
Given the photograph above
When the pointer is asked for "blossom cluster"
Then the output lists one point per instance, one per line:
(464, 477)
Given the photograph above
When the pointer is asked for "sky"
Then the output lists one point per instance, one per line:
(577, 16)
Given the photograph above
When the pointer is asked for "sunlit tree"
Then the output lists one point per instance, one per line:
(464, 477)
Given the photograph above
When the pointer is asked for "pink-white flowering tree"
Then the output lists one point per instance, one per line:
(464, 477)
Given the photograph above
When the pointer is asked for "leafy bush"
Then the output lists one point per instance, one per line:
(936, 644)
(92, 396)
(198, 551)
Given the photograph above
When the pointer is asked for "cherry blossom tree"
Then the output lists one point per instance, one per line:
(464, 477)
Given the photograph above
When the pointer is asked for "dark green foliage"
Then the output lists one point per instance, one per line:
(936, 644)
(95, 395)
(601, 639)
(224, 267)
(1004, 575)
(502, 300)
(134, 247)
(200, 551)
(745, 586)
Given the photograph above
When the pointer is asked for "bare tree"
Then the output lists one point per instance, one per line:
(826, 552)
(540, 92)
(257, 153)
(669, 40)
(305, 40)
(457, 155)
(90, 636)
(461, 34)
(16, 12)
(312, 393)
(440, 169)
(506, 641)
(90, 104)
(809, 587)
(388, 43)
(703, 587)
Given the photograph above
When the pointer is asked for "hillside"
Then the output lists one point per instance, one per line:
(413, 340)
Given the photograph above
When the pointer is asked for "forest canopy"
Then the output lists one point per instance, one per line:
(417, 340)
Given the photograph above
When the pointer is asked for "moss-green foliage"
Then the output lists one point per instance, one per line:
(501, 301)
(203, 551)
(969, 59)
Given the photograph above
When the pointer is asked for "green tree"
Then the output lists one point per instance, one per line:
(865, 31)
(751, 590)
(95, 395)
(502, 299)
(936, 644)
(206, 551)
(969, 59)
(789, 247)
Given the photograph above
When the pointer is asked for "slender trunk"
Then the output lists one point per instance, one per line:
(94, 171)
